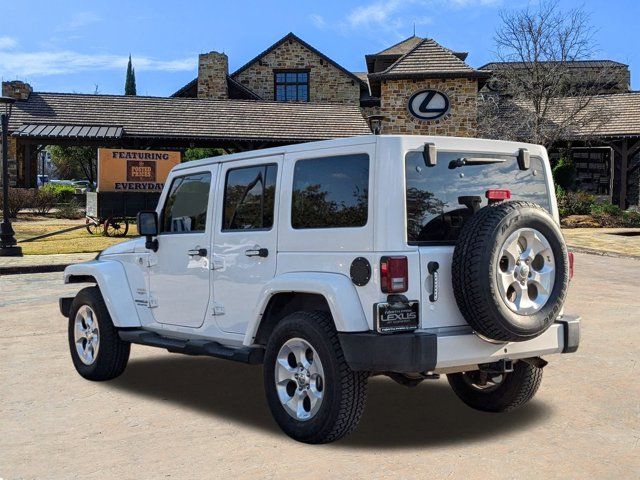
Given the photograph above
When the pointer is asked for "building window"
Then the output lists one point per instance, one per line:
(330, 192)
(292, 86)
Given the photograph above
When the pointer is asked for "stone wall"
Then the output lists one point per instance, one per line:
(461, 121)
(213, 68)
(13, 170)
(326, 82)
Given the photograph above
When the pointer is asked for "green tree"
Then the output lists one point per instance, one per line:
(198, 153)
(130, 82)
(75, 162)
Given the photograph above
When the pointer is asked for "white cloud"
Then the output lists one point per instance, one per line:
(317, 20)
(22, 64)
(7, 43)
(82, 19)
(379, 12)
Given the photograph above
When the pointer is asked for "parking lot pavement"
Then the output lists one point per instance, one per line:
(171, 416)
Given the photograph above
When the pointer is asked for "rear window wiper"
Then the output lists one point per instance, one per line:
(462, 161)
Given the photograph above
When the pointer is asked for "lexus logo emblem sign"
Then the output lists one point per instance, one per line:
(428, 104)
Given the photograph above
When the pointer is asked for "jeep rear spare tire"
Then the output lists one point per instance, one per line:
(510, 271)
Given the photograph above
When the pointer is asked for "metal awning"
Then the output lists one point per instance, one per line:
(68, 131)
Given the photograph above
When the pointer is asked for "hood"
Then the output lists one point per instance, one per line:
(130, 246)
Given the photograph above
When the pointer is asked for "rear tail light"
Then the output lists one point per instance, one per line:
(497, 195)
(570, 265)
(394, 274)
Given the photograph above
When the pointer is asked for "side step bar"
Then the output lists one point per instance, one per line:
(250, 355)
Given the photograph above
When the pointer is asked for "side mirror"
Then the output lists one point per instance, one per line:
(430, 155)
(148, 226)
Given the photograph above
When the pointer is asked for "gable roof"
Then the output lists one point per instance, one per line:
(189, 119)
(426, 59)
(294, 38)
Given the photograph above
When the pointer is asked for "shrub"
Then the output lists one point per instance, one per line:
(63, 193)
(606, 208)
(564, 173)
(19, 199)
(631, 218)
(575, 203)
(71, 210)
(43, 201)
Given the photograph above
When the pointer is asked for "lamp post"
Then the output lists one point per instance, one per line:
(8, 247)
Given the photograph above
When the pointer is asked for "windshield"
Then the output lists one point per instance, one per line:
(441, 199)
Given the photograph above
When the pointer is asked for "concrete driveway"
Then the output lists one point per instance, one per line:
(170, 416)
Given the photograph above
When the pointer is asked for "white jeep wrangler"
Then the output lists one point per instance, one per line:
(332, 261)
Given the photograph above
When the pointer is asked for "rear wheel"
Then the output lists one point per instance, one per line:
(490, 392)
(96, 349)
(312, 393)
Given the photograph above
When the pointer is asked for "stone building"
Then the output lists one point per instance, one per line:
(291, 92)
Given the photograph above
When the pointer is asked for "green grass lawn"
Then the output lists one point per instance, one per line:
(77, 241)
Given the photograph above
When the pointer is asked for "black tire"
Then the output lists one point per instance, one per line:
(516, 388)
(94, 229)
(344, 390)
(113, 353)
(475, 260)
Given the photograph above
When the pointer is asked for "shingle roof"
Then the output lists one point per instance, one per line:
(620, 112)
(402, 47)
(191, 118)
(428, 58)
(573, 64)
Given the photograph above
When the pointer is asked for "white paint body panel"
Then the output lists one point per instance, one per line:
(310, 261)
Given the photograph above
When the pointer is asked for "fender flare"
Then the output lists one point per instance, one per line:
(114, 286)
(337, 289)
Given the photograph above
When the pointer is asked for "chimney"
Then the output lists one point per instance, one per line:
(16, 89)
(213, 68)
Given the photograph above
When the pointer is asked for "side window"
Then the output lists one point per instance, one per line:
(185, 210)
(330, 192)
(249, 198)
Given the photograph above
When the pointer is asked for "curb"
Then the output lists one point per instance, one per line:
(24, 269)
(601, 253)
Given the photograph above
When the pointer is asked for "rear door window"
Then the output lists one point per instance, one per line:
(249, 198)
(441, 199)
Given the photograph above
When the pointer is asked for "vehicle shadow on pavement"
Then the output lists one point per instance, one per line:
(395, 416)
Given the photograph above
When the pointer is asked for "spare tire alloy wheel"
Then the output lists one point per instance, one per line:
(299, 379)
(510, 271)
(526, 271)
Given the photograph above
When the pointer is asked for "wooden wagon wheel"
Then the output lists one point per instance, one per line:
(94, 227)
(116, 226)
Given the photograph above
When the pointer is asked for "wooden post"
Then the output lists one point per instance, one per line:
(624, 162)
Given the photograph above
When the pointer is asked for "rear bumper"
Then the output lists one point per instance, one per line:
(446, 348)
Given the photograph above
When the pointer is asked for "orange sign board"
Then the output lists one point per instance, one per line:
(134, 170)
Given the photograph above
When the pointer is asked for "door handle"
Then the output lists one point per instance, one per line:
(257, 252)
(197, 252)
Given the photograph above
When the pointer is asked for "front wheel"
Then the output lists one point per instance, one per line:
(312, 393)
(490, 392)
(96, 349)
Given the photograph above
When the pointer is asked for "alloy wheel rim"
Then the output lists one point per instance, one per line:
(299, 379)
(86, 332)
(525, 271)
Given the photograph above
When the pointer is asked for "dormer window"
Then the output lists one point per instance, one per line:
(292, 86)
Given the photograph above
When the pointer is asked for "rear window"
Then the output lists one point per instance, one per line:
(441, 199)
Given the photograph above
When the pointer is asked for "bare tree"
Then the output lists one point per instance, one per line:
(536, 93)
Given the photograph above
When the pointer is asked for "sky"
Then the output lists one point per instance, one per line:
(83, 45)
